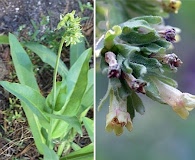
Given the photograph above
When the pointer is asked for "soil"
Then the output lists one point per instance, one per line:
(18, 17)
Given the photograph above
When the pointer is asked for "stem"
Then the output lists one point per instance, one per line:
(64, 146)
(56, 71)
(54, 92)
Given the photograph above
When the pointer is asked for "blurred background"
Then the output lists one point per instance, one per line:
(160, 133)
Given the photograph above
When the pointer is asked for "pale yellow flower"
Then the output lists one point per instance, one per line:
(118, 117)
(181, 103)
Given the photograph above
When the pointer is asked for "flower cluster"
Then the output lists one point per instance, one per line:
(135, 57)
(72, 28)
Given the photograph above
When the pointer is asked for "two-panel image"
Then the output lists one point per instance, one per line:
(97, 80)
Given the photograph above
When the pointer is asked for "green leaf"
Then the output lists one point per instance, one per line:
(33, 99)
(22, 63)
(137, 103)
(163, 43)
(85, 153)
(153, 48)
(151, 90)
(87, 100)
(151, 64)
(76, 82)
(76, 50)
(139, 70)
(110, 36)
(48, 56)
(149, 19)
(130, 108)
(49, 154)
(4, 39)
(89, 125)
(138, 32)
(75, 146)
(72, 121)
(165, 79)
(125, 49)
(24, 71)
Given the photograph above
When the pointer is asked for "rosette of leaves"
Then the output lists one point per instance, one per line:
(140, 49)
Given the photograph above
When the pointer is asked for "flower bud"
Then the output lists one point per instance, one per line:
(135, 84)
(114, 69)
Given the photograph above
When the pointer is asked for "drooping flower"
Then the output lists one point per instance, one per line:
(181, 103)
(118, 117)
(171, 59)
(135, 84)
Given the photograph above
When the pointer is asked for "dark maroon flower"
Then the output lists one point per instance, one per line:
(168, 34)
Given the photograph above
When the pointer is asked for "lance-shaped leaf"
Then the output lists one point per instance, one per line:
(85, 153)
(22, 63)
(72, 121)
(89, 125)
(137, 103)
(76, 50)
(76, 82)
(48, 56)
(33, 99)
(87, 100)
(49, 154)
(24, 71)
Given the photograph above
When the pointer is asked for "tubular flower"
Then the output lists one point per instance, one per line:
(118, 117)
(114, 68)
(181, 103)
(135, 84)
